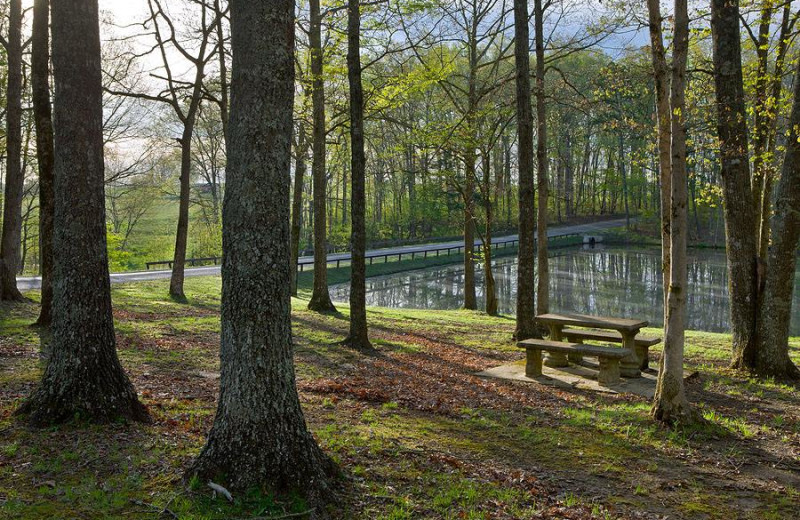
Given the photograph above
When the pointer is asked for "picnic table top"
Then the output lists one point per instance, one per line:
(598, 322)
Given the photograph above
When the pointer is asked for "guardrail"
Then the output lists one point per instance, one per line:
(417, 252)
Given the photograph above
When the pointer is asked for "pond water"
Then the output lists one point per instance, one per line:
(605, 281)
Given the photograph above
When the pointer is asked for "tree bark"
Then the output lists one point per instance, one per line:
(297, 203)
(358, 337)
(542, 267)
(42, 113)
(772, 357)
(670, 404)
(320, 296)
(489, 285)
(470, 300)
(83, 377)
(259, 438)
(188, 120)
(735, 172)
(15, 178)
(776, 87)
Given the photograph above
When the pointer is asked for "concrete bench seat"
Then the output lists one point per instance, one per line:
(643, 343)
(609, 357)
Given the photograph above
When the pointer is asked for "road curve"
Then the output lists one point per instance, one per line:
(28, 283)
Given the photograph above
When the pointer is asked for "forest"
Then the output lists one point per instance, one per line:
(398, 259)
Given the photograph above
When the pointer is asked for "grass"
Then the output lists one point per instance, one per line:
(416, 433)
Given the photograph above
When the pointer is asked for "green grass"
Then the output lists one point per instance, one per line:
(415, 433)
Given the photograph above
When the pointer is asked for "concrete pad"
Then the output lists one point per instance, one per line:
(583, 376)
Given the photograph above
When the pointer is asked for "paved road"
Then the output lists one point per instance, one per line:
(34, 282)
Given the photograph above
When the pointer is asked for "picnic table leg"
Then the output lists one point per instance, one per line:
(533, 362)
(629, 366)
(576, 358)
(644, 357)
(556, 359)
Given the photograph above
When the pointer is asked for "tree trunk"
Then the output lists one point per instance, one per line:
(358, 337)
(259, 439)
(543, 269)
(42, 113)
(772, 358)
(621, 147)
(736, 187)
(670, 404)
(182, 233)
(297, 204)
(320, 297)
(83, 377)
(489, 286)
(470, 300)
(776, 86)
(15, 179)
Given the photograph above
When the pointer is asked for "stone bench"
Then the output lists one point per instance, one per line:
(643, 343)
(609, 357)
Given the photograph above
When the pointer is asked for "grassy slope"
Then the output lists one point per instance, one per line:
(416, 433)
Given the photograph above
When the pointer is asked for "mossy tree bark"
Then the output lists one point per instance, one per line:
(739, 211)
(526, 271)
(670, 404)
(42, 113)
(358, 337)
(14, 181)
(320, 295)
(772, 358)
(83, 376)
(259, 438)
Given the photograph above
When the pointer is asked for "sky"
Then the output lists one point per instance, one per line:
(124, 10)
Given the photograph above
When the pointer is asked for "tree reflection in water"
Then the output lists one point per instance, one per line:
(602, 281)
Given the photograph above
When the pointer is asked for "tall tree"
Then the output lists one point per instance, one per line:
(358, 337)
(42, 113)
(772, 357)
(15, 178)
(83, 377)
(526, 271)
(184, 98)
(670, 404)
(259, 438)
(320, 296)
(301, 161)
(542, 162)
(661, 77)
(738, 205)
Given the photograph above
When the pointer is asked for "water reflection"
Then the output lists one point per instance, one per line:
(602, 281)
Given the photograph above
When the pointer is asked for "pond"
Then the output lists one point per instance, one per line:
(605, 281)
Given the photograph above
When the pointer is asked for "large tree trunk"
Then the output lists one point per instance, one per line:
(542, 267)
(772, 358)
(736, 186)
(15, 178)
(83, 377)
(358, 337)
(320, 296)
(670, 404)
(42, 113)
(259, 439)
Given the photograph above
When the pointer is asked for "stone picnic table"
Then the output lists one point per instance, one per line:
(629, 366)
